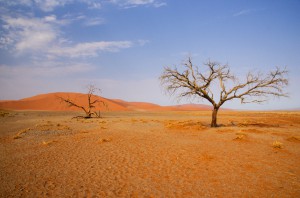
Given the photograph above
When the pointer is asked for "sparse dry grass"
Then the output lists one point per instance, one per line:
(278, 145)
(51, 126)
(46, 143)
(43, 127)
(240, 136)
(104, 140)
(184, 125)
(134, 120)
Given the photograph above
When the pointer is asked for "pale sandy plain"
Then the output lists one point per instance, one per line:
(149, 154)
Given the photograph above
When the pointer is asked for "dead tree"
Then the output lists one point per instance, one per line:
(92, 101)
(256, 88)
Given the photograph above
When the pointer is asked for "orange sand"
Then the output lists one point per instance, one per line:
(149, 154)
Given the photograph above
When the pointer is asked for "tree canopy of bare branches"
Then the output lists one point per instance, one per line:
(255, 88)
(91, 100)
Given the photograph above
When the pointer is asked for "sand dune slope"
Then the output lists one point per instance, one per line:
(51, 102)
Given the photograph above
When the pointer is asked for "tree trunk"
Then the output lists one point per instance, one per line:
(214, 117)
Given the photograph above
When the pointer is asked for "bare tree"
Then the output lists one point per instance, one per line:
(256, 88)
(92, 101)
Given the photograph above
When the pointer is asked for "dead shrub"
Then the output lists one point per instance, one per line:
(278, 145)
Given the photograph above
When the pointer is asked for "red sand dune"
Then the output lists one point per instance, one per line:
(51, 102)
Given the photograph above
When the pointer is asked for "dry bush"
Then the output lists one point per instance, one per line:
(185, 125)
(277, 144)
(104, 140)
(240, 136)
(143, 121)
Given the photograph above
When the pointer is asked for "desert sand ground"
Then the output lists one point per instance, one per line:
(149, 154)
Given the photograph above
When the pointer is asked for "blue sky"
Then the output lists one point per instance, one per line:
(121, 46)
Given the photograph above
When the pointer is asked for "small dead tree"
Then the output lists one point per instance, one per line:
(92, 102)
(256, 88)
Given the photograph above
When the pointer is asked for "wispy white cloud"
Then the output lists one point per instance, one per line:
(29, 34)
(34, 40)
(159, 4)
(50, 18)
(16, 2)
(50, 5)
(94, 21)
(143, 42)
(90, 49)
(136, 3)
(44, 5)
(83, 19)
(42, 36)
(140, 2)
(93, 4)
(242, 12)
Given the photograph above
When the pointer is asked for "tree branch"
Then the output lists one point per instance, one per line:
(190, 81)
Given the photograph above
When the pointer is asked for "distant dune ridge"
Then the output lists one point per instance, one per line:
(51, 102)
